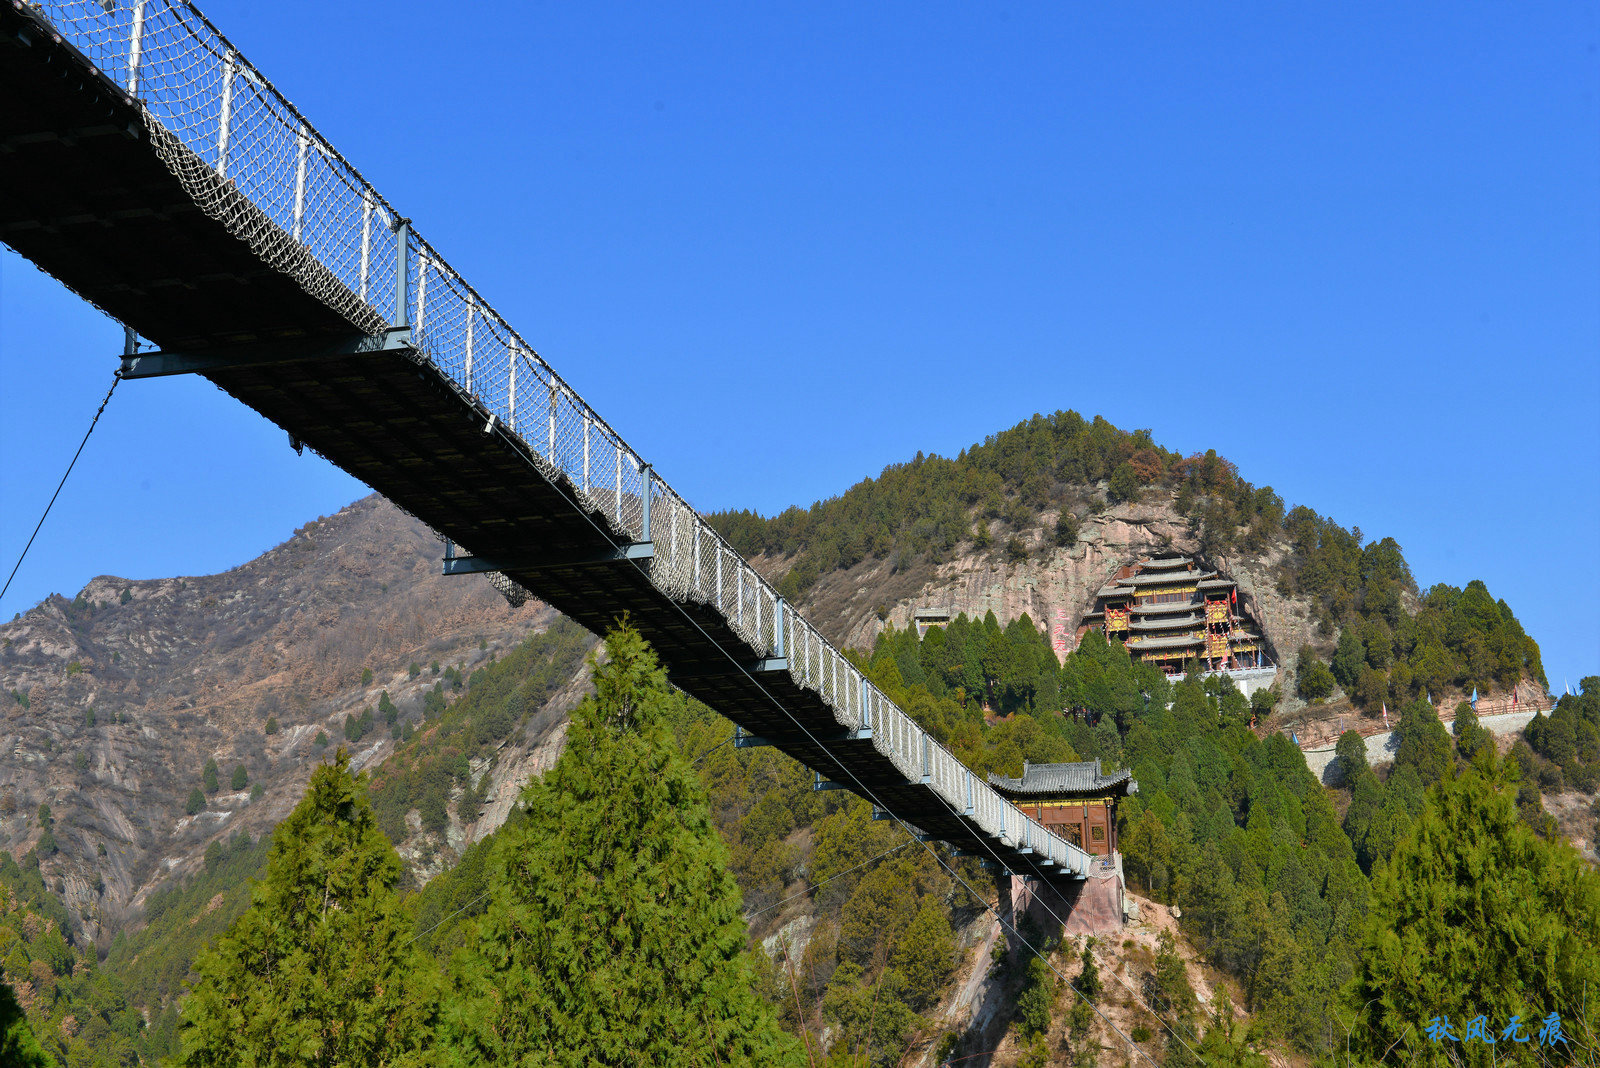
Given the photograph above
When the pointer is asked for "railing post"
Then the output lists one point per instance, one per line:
(619, 484)
(551, 434)
(135, 46)
(644, 502)
(777, 628)
(303, 144)
(225, 120)
(366, 240)
(511, 395)
(422, 293)
(472, 313)
(586, 452)
(695, 544)
(402, 275)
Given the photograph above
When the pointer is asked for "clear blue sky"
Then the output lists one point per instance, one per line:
(1355, 248)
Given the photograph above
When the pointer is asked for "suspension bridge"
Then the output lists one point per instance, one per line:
(154, 171)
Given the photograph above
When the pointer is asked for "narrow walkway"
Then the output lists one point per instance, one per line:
(1382, 747)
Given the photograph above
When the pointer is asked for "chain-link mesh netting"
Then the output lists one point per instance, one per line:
(251, 161)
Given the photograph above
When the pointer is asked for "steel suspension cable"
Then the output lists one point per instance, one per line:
(115, 380)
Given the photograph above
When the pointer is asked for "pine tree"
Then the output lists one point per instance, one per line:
(18, 1047)
(1470, 735)
(1348, 659)
(1476, 915)
(925, 956)
(1351, 750)
(1424, 744)
(614, 934)
(318, 971)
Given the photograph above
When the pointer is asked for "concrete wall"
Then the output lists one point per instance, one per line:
(1381, 748)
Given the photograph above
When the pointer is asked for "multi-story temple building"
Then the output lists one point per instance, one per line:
(1168, 612)
(1076, 801)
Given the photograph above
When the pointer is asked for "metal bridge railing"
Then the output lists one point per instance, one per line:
(252, 161)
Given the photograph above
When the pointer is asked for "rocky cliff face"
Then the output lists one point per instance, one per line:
(111, 703)
(1054, 585)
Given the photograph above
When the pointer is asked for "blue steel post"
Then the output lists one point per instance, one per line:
(777, 629)
(402, 275)
(644, 503)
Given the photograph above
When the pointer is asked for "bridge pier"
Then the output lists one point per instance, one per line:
(1062, 908)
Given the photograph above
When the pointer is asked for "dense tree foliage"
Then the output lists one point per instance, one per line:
(1460, 639)
(319, 970)
(1238, 831)
(926, 507)
(18, 1047)
(180, 920)
(1569, 737)
(80, 1017)
(1477, 916)
(613, 935)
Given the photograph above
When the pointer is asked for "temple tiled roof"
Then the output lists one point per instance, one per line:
(1165, 578)
(1188, 607)
(1163, 562)
(1167, 623)
(1083, 778)
(1217, 584)
(1136, 645)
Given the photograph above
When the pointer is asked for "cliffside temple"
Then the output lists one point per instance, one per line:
(1076, 801)
(1167, 611)
(1079, 803)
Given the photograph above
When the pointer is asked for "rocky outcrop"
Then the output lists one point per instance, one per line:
(1053, 585)
(112, 702)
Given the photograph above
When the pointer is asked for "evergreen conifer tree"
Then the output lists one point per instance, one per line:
(614, 935)
(1424, 744)
(1470, 735)
(318, 971)
(1476, 915)
(18, 1047)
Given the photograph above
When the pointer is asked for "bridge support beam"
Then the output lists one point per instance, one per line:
(741, 740)
(479, 565)
(767, 666)
(264, 354)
